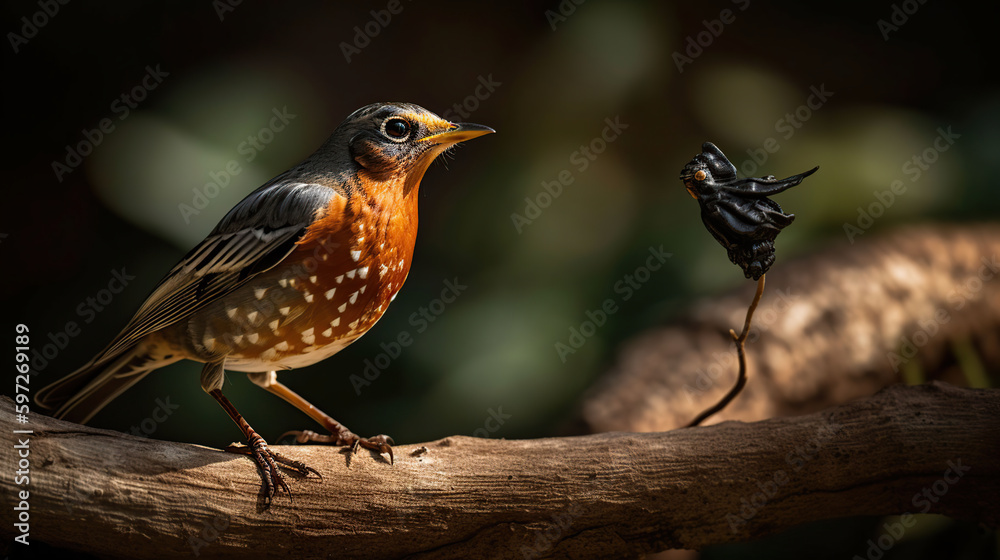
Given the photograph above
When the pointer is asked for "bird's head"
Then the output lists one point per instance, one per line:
(708, 168)
(397, 141)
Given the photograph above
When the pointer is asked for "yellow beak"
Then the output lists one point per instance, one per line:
(459, 132)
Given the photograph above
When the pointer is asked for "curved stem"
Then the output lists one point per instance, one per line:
(741, 379)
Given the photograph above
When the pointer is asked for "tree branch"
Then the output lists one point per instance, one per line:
(606, 495)
(834, 326)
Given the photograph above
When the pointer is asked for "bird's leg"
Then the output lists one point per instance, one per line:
(256, 448)
(339, 434)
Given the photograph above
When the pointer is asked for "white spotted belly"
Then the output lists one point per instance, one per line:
(289, 361)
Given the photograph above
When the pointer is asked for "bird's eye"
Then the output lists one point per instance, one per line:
(700, 175)
(396, 129)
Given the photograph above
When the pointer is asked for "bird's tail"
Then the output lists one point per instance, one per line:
(81, 394)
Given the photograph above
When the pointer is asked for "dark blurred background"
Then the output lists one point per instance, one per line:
(780, 87)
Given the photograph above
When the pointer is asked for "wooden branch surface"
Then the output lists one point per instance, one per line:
(599, 496)
(827, 331)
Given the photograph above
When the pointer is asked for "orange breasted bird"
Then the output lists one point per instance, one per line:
(298, 270)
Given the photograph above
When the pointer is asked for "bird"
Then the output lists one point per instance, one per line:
(737, 211)
(299, 269)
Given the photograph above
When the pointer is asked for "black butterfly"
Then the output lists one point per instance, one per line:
(737, 211)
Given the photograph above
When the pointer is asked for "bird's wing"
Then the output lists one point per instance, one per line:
(747, 217)
(756, 187)
(254, 236)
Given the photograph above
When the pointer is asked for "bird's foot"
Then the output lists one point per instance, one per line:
(268, 462)
(344, 437)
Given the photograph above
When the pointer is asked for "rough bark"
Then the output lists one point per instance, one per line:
(833, 326)
(598, 496)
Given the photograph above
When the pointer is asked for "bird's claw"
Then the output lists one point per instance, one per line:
(380, 443)
(268, 462)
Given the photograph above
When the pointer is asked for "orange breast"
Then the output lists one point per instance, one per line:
(328, 292)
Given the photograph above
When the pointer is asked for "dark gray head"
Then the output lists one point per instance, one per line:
(392, 138)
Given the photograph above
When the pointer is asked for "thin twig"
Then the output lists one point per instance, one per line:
(741, 380)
